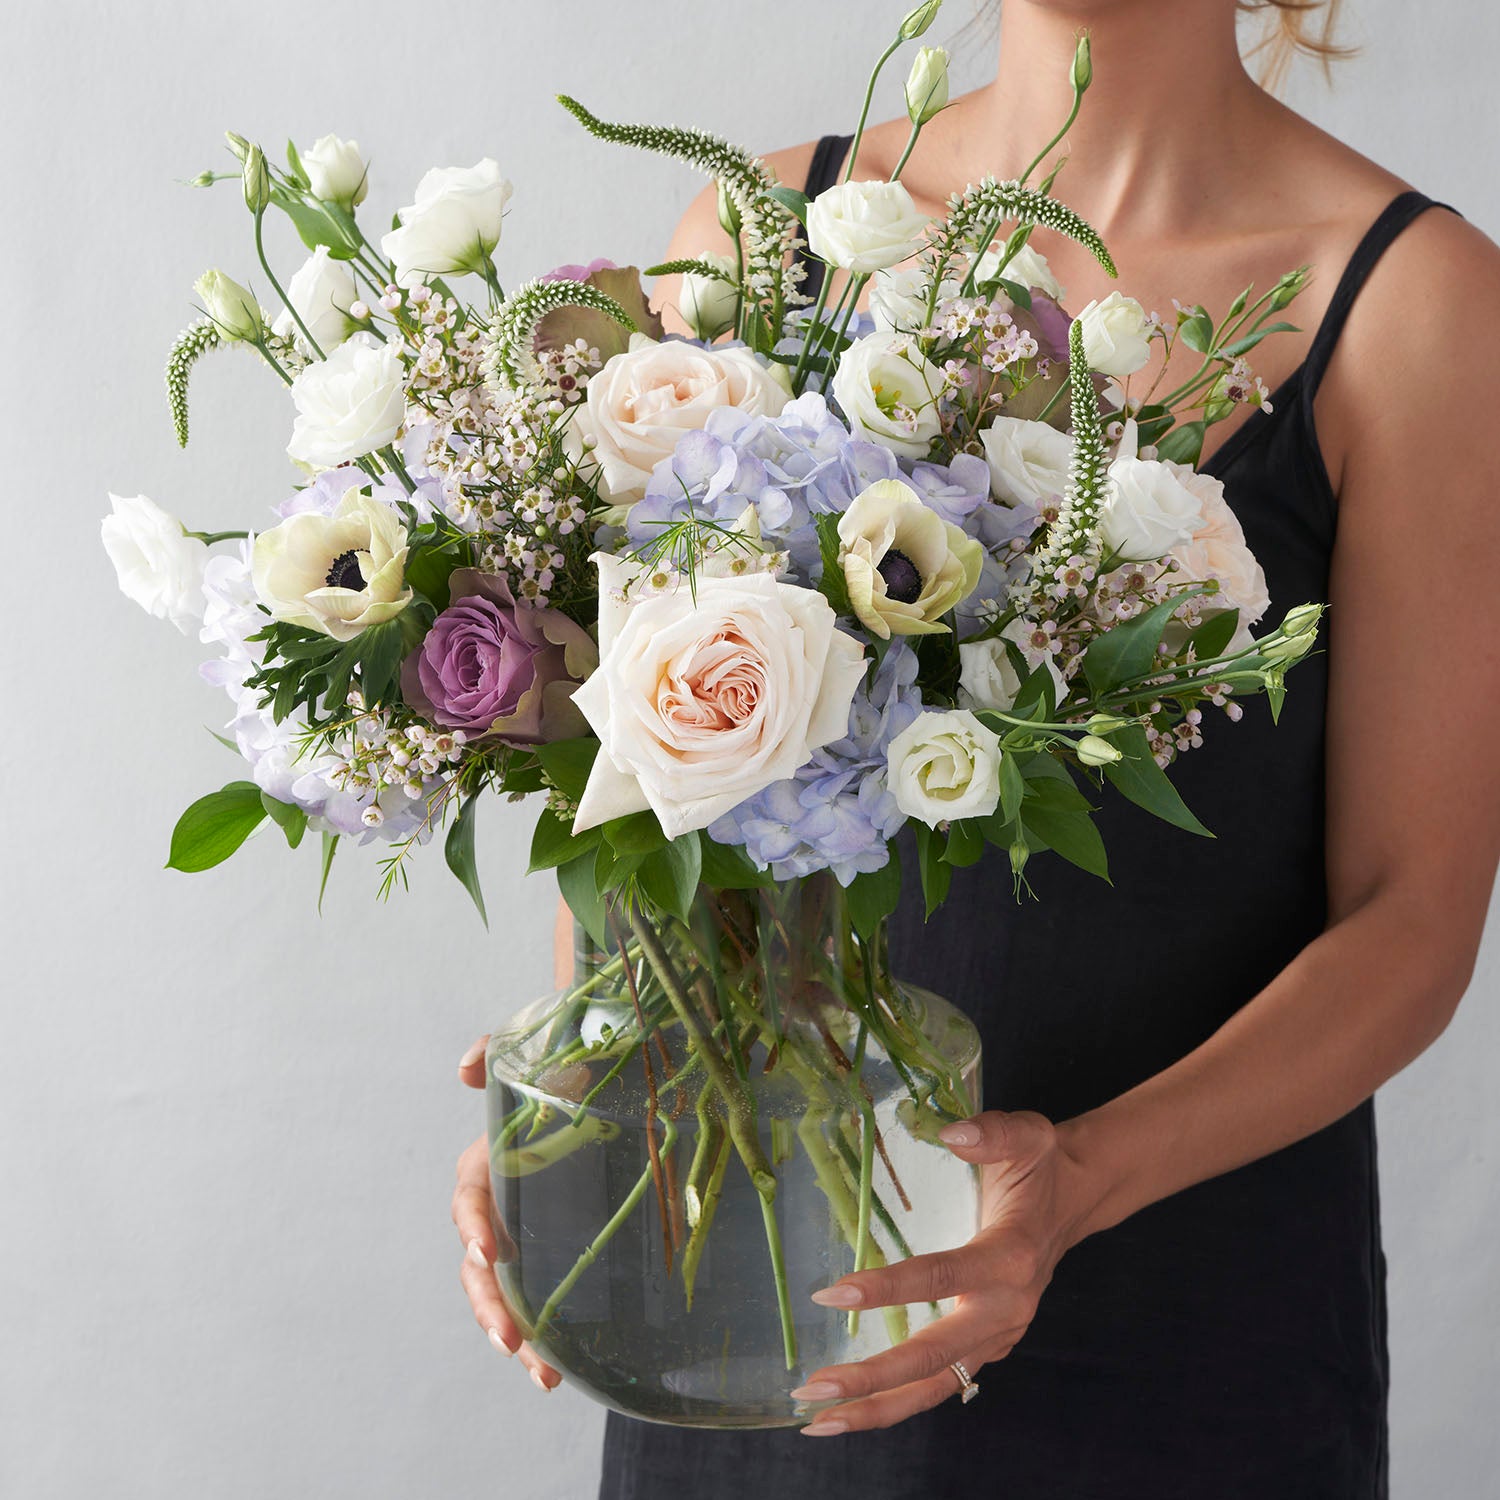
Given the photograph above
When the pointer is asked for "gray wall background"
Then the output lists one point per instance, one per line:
(227, 1126)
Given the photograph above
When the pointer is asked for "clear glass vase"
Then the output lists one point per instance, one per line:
(720, 1115)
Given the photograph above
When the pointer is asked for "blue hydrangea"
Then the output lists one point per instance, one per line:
(837, 813)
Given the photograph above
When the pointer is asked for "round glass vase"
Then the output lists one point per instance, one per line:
(726, 1110)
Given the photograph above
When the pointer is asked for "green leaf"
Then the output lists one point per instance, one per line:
(1197, 331)
(554, 843)
(568, 763)
(1139, 779)
(380, 652)
(1037, 695)
(791, 199)
(1020, 295)
(726, 867)
(295, 167)
(935, 874)
(458, 850)
(292, 821)
(1128, 651)
(1071, 834)
(965, 844)
(428, 571)
(575, 880)
(635, 833)
(670, 875)
(1213, 636)
(1012, 787)
(1055, 793)
(215, 826)
(330, 848)
(611, 869)
(1184, 444)
(873, 894)
(1250, 340)
(317, 225)
(832, 585)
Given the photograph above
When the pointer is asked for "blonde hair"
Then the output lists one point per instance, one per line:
(1292, 27)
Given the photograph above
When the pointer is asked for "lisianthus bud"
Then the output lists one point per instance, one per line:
(919, 19)
(235, 312)
(1093, 751)
(238, 144)
(1083, 65)
(1302, 618)
(1297, 636)
(708, 303)
(1106, 723)
(257, 181)
(729, 213)
(1289, 287)
(927, 84)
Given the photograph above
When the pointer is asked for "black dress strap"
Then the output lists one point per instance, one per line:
(822, 172)
(1395, 217)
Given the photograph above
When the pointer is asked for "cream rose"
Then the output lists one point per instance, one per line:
(643, 400)
(322, 291)
(1027, 267)
(700, 703)
(453, 225)
(1028, 461)
(865, 226)
(1218, 550)
(988, 677)
(1114, 335)
(335, 574)
(888, 392)
(898, 299)
(905, 566)
(348, 405)
(708, 303)
(1151, 506)
(943, 766)
(336, 171)
(157, 564)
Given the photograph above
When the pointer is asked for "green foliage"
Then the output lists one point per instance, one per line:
(568, 764)
(936, 873)
(215, 826)
(728, 868)
(1138, 778)
(872, 894)
(190, 345)
(692, 266)
(458, 850)
(1213, 636)
(1184, 443)
(576, 881)
(670, 875)
(290, 819)
(1129, 651)
(975, 210)
(554, 843)
(832, 585)
(303, 667)
(1197, 330)
(330, 848)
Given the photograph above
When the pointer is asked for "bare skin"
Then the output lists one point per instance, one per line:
(1201, 183)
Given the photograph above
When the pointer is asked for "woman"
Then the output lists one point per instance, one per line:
(1178, 1291)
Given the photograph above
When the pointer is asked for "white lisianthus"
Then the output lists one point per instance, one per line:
(336, 574)
(865, 226)
(889, 393)
(988, 677)
(643, 400)
(1027, 267)
(927, 84)
(943, 766)
(349, 404)
(707, 303)
(904, 565)
(336, 171)
(157, 564)
(1115, 341)
(898, 299)
(322, 290)
(453, 225)
(236, 314)
(1028, 461)
(1217, 550)
(701, 703)
(1151, 506)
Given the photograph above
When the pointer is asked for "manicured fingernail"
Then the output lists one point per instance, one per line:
(540, 1383)
(825, 1427)
(500, 1343)
(476, 1254)
(817, 1390)
(839, 1296)
(473, 1055)
(962, 1134)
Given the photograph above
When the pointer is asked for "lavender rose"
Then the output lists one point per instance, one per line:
(495, 668)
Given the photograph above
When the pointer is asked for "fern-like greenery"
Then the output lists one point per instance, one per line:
(977, 209)
(512, 358)
(697, 265)
(190, 345)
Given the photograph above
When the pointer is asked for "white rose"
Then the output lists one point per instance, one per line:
(1114, 335)
(700, 703)
(322, 291)
(943, 766)
(1028, 461)
(905, 566)
(644, 399)
(1027, 267)
(888, 392)
(158, 566)
(898, 299)
(1218, 550)
(987, 676)
(335, 574)
(349, 404)
(454, 224)
(865, 226)
(1150, 507)
(336, 171)
(707, 303)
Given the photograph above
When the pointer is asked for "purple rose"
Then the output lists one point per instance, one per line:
(497, 669)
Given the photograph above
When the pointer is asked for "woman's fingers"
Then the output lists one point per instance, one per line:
(490, 1311)
(471, 1203)
(471, 1064)
(924, 1354)
(889, 1407)
(923, 1278)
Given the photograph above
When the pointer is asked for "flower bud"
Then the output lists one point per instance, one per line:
(1288, 287)
(1083, 65)
(729, 213)
(238, 144)
(708, 303)
(919, 19)
(1106, 723)
(257, 181)
(927, 84)
(1093, 751)
(236, 314)
(1301, 619)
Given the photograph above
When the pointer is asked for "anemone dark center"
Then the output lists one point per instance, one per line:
(903, 582)
(343, 571)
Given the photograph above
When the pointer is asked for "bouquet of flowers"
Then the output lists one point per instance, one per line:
(770, 620)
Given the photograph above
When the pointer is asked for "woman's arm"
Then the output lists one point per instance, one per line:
(1412, 838)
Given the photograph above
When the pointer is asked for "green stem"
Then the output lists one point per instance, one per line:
(812, 323)
(265, 353)
(208, 538)
(783, 1289)
(911, 144)
(864, 113)
(286, 301)
(1057, 396)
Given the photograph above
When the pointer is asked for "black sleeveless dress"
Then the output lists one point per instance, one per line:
(1228, 1343)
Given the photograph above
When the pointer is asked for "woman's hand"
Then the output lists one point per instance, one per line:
(1035, 1197)
(472, 1214)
